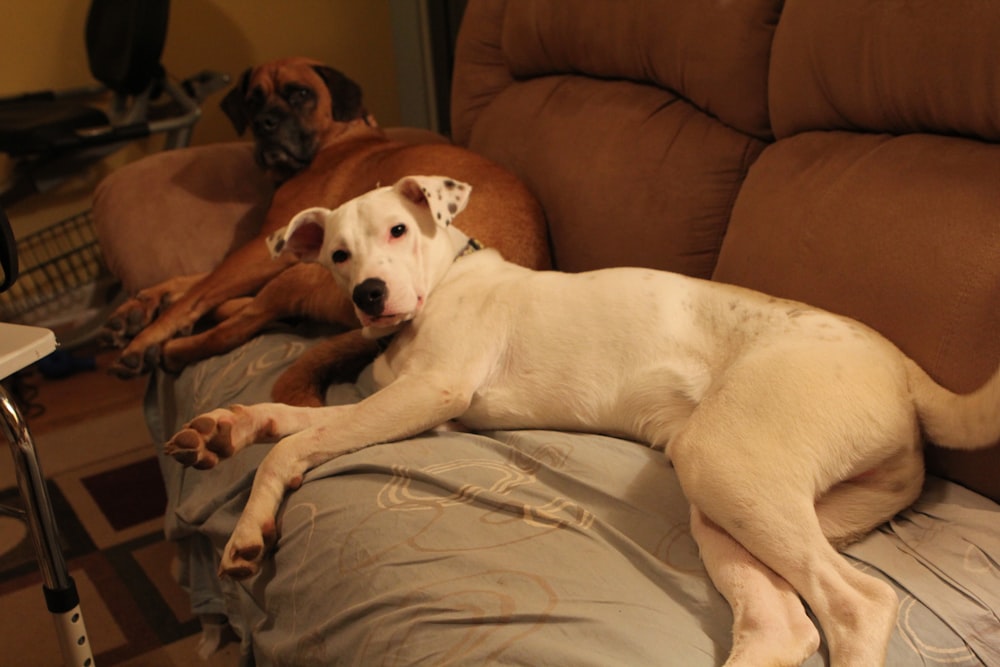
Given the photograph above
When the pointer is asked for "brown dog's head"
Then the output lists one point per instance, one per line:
(291, 106)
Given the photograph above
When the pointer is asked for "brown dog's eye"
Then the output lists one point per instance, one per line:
(296, 95)
(340, 256)
(398, 230)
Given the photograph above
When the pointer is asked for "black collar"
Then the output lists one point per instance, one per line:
(472, 246)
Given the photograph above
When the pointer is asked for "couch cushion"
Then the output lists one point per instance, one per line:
(713, 54)
(917, 66)
(898, 232)
(668, 174)
(179, 212)
(667, 171)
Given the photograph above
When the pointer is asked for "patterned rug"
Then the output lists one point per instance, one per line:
(110, 517)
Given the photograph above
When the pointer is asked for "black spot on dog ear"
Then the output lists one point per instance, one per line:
(280, 245)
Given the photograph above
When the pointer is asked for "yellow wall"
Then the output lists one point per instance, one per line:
(42, 46)
(230, 35)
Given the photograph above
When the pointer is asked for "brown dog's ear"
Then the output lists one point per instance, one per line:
(234, 103)
(345, 95)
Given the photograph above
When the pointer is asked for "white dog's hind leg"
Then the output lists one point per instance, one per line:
(770, 625)
(852, 509)
(766, 508)
(785, 425)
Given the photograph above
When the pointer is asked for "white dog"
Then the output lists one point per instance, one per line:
(789, 427)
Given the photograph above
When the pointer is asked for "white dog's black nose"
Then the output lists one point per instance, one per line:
(370, 296)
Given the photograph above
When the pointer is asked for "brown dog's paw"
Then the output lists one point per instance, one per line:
(133, 363)
(112, 334)
(131, 317)
(128, 321)
(171, 363)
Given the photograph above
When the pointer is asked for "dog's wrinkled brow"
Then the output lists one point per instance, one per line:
(256, 96)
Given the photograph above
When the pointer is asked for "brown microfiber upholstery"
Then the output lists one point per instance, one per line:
(915, 66)
(587, 98)
(670, 172)
(898, 230)
(714, 54)
(179, 212)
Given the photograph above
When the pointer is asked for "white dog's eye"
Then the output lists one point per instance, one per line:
(340, 256)
(398, 230)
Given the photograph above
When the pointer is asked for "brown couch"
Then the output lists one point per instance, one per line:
(839, 153)
(844, 155)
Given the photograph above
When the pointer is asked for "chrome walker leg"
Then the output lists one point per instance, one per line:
(61, 597)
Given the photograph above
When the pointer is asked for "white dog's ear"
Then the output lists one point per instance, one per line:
(445, 196)
(303, 236)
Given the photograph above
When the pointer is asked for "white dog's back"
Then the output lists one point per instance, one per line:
(617, 349)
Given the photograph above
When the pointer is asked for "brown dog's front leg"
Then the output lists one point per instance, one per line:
(302, 290)
(241, 273)
(337, 359)
(137, 312)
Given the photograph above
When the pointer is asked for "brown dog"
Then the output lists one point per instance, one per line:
(312, 135)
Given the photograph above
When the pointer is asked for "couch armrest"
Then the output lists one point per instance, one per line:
(179, 212)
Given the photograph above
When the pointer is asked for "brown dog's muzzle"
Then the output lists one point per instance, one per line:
(267, 122)
(284, 144)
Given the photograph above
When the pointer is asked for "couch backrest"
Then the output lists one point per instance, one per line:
(879, 199)
(869, 127)
(634, 121)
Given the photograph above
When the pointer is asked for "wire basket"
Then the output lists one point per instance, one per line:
(63, 279)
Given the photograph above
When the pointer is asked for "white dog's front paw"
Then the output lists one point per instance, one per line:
(246, 548)
(213, 436)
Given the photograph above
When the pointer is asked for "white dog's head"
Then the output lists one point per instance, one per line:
(387, 248)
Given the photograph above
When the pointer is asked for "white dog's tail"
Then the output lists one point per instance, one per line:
(957, 421)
